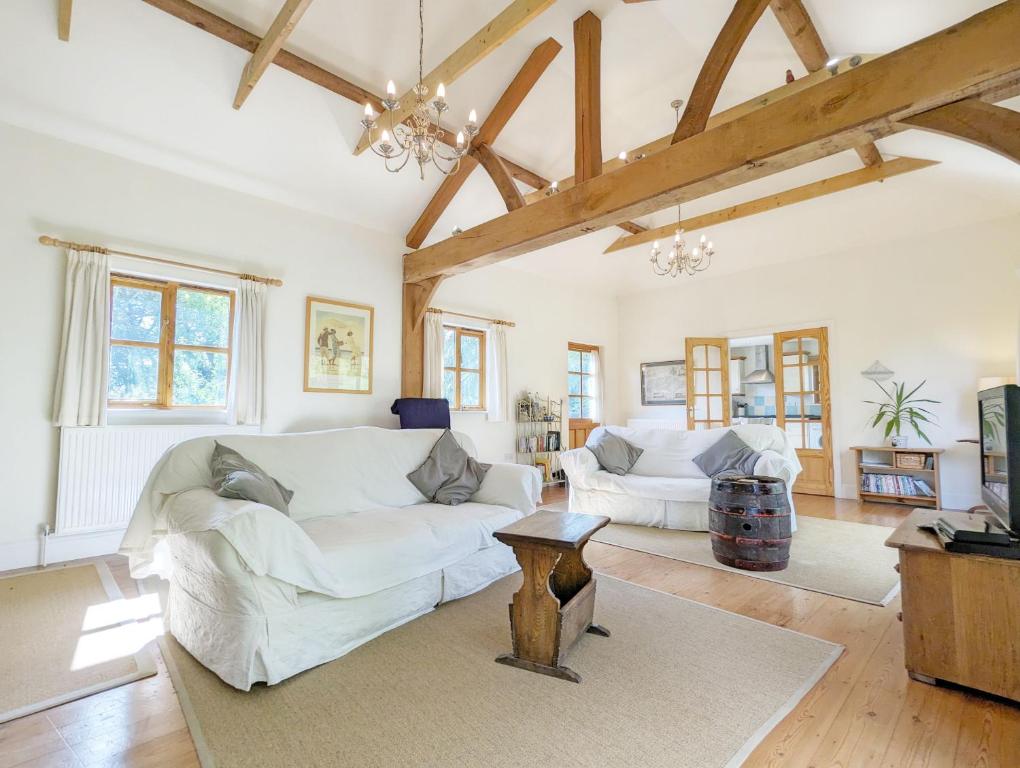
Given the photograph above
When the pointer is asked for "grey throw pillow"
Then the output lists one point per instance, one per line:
(730, 455)
(234, 477)
(614, 454)
(448, 476)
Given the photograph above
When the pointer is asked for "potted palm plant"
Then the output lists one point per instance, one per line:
(901, 410)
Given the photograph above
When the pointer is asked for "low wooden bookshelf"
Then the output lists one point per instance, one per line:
(886, 460)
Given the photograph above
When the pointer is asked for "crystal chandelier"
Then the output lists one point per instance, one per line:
(681, 261)
(419, 135)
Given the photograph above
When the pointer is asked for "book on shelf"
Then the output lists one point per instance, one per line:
(547, 443)
(895, 485)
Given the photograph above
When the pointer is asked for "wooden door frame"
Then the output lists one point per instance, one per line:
(724, 352)
(824, 393)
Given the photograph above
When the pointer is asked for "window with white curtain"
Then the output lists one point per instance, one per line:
(171, 344)
(464, 368)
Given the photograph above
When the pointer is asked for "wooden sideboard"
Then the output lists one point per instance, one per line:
(961, 613)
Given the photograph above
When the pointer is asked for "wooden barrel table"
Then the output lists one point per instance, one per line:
(749, 522)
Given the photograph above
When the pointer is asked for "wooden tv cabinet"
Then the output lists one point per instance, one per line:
(961, 613)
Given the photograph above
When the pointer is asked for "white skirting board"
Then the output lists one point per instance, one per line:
(28, 553)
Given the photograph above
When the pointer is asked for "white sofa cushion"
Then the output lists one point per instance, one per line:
(667, 453)
(380, 548)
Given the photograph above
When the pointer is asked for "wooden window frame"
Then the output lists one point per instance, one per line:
(166, 345)
(457, 368)
(573, 346)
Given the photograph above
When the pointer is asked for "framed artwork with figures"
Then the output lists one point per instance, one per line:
(338, 346)
(664, 383)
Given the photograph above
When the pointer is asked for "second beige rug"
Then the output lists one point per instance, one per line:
(62, 637)
(678, 685)
(830, 556)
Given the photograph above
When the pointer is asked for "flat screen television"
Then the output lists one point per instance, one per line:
(999, 414)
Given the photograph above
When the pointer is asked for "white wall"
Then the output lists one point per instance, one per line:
(51, 187)
(941, 308)
(547, 317)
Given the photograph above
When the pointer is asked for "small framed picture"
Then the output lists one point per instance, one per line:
(664, 383)
(338, 346)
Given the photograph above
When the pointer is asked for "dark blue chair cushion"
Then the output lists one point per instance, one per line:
(422, 412)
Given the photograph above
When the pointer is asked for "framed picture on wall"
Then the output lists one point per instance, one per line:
(338, 346)
(664, 383)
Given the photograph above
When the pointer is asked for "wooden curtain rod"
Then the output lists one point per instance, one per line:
(437, 311)
(54, 242)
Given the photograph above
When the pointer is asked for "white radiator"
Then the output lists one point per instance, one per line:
(102, 470)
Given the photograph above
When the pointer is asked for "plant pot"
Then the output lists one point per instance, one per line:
(899, 441)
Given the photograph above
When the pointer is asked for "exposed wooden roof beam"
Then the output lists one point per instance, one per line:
(742, 18)
(974, 121)
(64, 20)
(796, 23)
(720, 118)
(480, 45)
(270, 45)
(512, 197)
(587, 96)
(242, 38)
(968, 59)
(515, 93)
(771, 202)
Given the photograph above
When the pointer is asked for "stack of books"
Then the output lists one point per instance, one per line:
(895, 485)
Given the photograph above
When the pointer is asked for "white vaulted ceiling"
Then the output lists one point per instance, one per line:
(137, 82)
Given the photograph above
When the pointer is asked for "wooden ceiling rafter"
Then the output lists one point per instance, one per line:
(800, 194)
(720, 118)
(496, 32)
(270, 45)
(511, 98)
(969, 59)
(587, 96)
(229, 32)
(974, 121)
(717, 64)
(512, 197)
(807, 42)
(64, 19)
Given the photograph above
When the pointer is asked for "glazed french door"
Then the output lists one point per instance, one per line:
(803, 408)
(708, 383)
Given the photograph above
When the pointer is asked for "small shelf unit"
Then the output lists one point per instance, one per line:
(885, 461)
(536, 435)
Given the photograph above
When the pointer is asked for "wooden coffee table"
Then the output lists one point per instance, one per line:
(556, 602)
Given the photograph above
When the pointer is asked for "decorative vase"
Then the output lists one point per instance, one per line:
(899, 441)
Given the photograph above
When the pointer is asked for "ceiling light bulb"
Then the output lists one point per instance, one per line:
(655, 245)
(460, 139)
(695, 252)
(368, 110)
(555, 185)
(472, 117)
(703, 238)
(385, 136)
(441, 92)
(391, 89)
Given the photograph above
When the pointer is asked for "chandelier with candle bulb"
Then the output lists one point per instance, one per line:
(680, 260)
(421, 135)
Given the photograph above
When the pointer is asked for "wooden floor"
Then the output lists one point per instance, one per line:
(864, 712)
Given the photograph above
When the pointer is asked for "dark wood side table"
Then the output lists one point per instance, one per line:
(556, 602)
(961, 613)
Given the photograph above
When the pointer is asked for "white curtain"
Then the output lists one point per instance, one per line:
(432, 369)
(79, 398)
(249, 391)
(600, 378)
(497, 374)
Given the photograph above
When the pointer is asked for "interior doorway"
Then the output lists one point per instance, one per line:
(783, 379)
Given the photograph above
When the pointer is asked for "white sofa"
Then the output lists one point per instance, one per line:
(665, 488)
(255, 595)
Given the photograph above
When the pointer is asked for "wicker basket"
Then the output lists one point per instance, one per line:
(910, 460)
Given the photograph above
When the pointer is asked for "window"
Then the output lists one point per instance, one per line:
(464, 368)
(170, 345)
(582, 380)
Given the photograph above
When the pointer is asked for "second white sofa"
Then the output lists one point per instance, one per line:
(665, 488)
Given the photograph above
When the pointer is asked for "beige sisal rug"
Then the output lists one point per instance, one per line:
(831, 556)
(678, 684)
(62, 637)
